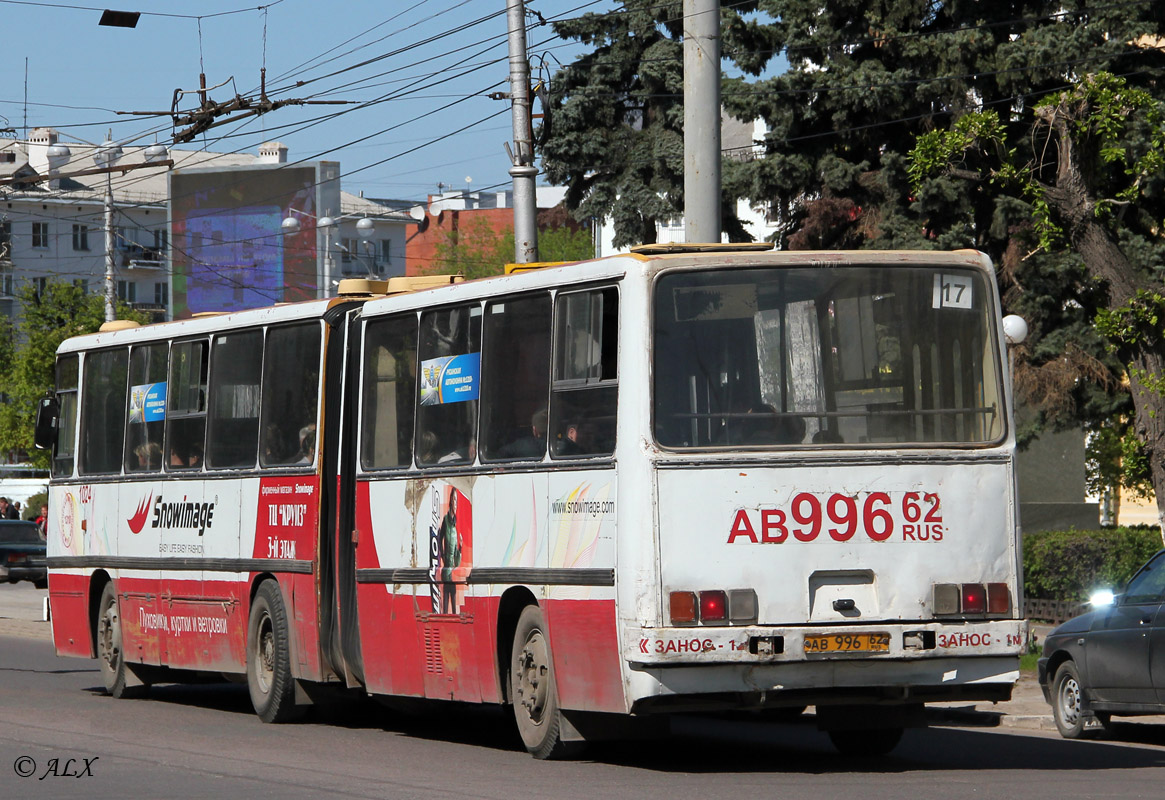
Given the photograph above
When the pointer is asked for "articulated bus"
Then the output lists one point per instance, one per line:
(681, 479)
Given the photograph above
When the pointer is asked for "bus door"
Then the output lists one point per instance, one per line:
(339, 479)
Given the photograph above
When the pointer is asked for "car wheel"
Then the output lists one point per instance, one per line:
(1068, 703)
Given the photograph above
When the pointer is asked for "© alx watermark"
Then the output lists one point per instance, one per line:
(25, 767)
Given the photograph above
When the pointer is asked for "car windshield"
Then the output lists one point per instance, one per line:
(868, 356)
(13, 531)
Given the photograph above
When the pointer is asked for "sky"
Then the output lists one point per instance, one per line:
(417, 116)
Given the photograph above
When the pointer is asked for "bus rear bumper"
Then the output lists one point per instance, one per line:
(857, 683)
(873, 642)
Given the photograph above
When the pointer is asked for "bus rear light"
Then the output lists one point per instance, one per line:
(713, 606)
(998, 598)
(974, 598)
(946, 598)
(742, 606)
(682, 606)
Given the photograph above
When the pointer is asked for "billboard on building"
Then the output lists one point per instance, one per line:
(228, 248)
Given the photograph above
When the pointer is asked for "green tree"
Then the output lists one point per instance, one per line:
(1092, 169)
(49, 317)
(615, 138)
(865, 80)
(477, 250)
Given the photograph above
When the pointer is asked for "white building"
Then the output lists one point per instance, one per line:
(52, 223)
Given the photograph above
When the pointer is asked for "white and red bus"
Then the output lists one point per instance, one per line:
(672, 480)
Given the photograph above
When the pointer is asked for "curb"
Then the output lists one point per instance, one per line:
(972, 717)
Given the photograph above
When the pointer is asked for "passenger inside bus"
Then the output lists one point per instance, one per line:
(532, 445)
(307, 445)
(149, 455)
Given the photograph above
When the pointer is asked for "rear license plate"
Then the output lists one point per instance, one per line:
(848, 643)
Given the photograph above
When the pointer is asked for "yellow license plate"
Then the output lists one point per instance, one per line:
(848, 643)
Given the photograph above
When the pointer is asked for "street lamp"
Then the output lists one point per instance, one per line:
(365, 226)
(105, 156)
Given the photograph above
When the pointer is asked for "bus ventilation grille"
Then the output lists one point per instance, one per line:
(433, 663)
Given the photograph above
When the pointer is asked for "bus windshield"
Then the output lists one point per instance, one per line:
(861, 356)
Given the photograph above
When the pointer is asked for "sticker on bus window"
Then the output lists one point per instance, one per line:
(951, 291)
(450, 379)
(147, 402)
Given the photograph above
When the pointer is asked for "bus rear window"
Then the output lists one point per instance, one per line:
(845, 356)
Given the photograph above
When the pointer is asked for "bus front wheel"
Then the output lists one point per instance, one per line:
(533, 689)
(269, 678)
(109, 652)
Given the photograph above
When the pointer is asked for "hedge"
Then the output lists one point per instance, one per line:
(1070, 565)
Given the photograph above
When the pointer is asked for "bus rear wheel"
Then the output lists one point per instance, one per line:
(109, 651)
(269, 678)
(533, 690)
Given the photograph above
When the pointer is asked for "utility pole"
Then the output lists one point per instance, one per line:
(701, 121)
(110, 292)
(523, 170)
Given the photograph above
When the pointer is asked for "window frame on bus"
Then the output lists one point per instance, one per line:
(306, 434)
(68, 416)
(184, 416)
(406, 459)
(990, 311)
(85, 421)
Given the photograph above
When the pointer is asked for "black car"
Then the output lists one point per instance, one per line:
(1110, 661)
(22, 553)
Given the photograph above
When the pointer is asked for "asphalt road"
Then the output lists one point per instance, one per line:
(204, 741)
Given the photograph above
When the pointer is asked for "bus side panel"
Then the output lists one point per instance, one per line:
(287, 525)
(69, 611)
(142, 625)
(444, 614)
(374, 603)
(199, 520)
(584, 643)
(389, 637)
(581, 616)
(68, 591)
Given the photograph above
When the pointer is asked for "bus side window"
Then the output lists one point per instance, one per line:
(515, 378)
(103, 404)
(291, 395)
(390, 393)
(186, 406)
(67, 374)
(586, 379)
(233, 417)
(450, 354)
(147, 398)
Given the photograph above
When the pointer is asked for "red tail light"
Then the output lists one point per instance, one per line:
(713, 606)
(974, 598)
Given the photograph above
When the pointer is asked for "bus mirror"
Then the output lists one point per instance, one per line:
(46, 423)
(1014, 329)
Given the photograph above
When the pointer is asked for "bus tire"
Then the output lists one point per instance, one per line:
(876, 742)
(109, 650)
(269, 678)
(533, 690)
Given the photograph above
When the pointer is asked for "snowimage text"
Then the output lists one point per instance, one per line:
(183, 515)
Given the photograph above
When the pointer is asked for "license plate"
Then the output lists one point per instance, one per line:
(848, 643)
